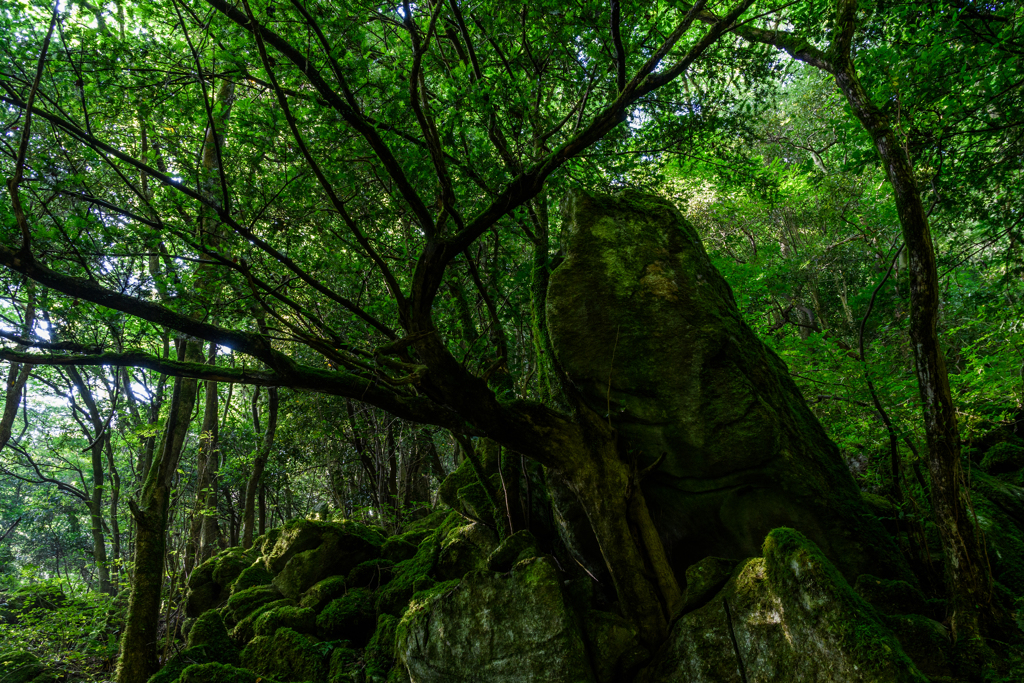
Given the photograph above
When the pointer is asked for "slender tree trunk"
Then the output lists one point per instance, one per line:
(255, 480)
(968, 582)
(18, 374)
(115, 498)
(138, 659)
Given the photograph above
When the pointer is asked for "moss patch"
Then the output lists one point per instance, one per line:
(299, 619)
(209, 632)
(220, 673)
(351, 617)
(245, 630)
(286, 655)
(242, 604)
(380, 652)
(18, 666)
(371, 574)
(255, 575)
(323, 592)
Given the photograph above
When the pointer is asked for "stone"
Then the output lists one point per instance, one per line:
(299, 619)
(649, 333)
(465, 549)
(614, 645)
(350, 617)
(242, 604)
(286, 655)
(519, 546)
(514, 628)
(18, 666)
(220, 673)
(705, 579)
(1004, 457)
(786, 617)
(209, 585)
(336, 554)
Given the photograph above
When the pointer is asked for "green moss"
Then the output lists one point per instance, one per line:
(517, 547)
(287, 655)
(230, 564)
(380, 652)
(419, 529)
(397, 549)
(245, 630)
(299, 619)
(18, 666)
(255, 575)
(890, 596)
(220, 673)
(344, 666)
(210, 633)
(242, 604)
(796, 565)
(371, 574)
(323, 592)
(1004, 458)
(350, 617)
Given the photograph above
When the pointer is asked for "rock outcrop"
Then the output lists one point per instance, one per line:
(648, 331)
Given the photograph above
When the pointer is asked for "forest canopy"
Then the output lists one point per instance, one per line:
(269, 260)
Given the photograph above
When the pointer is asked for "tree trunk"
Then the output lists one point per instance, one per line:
(256, 479)
(968, 583)
(138, 661)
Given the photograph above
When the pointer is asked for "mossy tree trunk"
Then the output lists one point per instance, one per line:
(256, 478)
(138, 660)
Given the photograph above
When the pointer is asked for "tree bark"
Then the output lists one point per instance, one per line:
(255, 480)
(138, 661)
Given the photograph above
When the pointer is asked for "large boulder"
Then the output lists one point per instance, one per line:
(649, 333)
(787, 616)
(514, 628)
(308, 552)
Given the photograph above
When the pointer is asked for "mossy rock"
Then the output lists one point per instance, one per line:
(890, 596)
(380, 651)
(242, 604)
(462, 491)
(299, 619)
(220, 673)
(18, 666)
(465, 549)
(1005, 457)
(705, 579)
(302, 535)
(410, 576)
(323, 592)
(344, 667)
(209, 632)
(787, 616)
(350, 617)
(286, 655)
(518, 547)
(255, 575)
(925, 641)
(209, 585)
(371, 574)
(531, 631)
(397, 549)
(614, 644)
(245, 630)
(337, 554)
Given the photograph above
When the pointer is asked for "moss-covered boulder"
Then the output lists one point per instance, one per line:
(18, 666)
(322, 592)
(695, 395)
(397, 549)
(705, 579)
(242, 604)
(209, 585)
(465, 549)
(495, 627)
(344, 667)
(255, 575)
(786, 617)
(350, 617)
(1006, 457)
(371, 574)
(614, 645)
(380, 651)
(411, 576)
(518, 547)
(299, 619)
(220, 673)
(286, 655)
(890, 596)
(925, 641)
(210, 633)
(302, 535)
(339, 548)
(245, 630)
